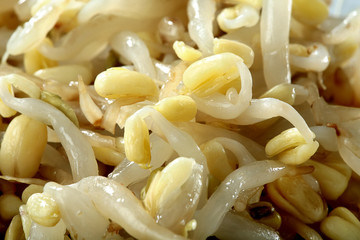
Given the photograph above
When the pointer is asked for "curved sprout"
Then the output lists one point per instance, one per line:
(82, 44)
(129, 45)
(201, 15)
(23, 84)
(245, 16)
(35, 30)
(241, 153)
(249, 176)
(78, 149)
(118, 203)
(182, 142)
(318, 60)
(231, 105)
(141, 32)
(78, 212)
(179, 140)
(202, 133)
(265, 108)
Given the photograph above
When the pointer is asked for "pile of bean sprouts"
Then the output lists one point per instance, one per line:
(179, 119)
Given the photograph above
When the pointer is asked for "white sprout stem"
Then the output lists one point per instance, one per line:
(78, 212)
(266, 108)
(82, 45)
(203, 133)
(87, 105)
(130, 45)
(81, 156)
(180, 141)
(176, 137)
(247, 16)
(201, 14)
(347, 153)
(231, 105)
(275, 26)
(249, 176)
(119, 204)
(34, 31)
(326, 136)
(242, 154)
(318, 60)
(53, 158)
(348, 27)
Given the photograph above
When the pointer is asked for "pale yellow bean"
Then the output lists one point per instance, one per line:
(43, 209)
(9, 206)
(235, 47)
(178, 108)
(291, 147)
(345, 214)
(119, 82)
(185, 52)
(333, 176)
(212, 74)
(295, 196)
(312, 12)
(287, 139)
(22, 147)
(217, 159)
(167, 181)
(299, 154)
(136, 141)
(341, 224)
